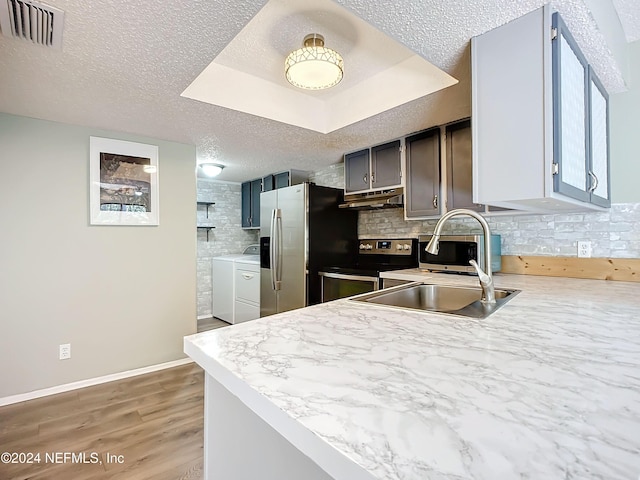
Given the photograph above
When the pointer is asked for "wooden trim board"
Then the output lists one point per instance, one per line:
(620, 269)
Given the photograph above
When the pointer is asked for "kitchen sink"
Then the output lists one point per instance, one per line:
(449, 299)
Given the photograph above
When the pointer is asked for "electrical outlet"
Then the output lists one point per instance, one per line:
(584, 249)
(65, 351)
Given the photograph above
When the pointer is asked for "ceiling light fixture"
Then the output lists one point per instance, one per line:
(314, 67)
(211, 169)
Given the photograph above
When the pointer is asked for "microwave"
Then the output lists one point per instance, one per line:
(456, 251)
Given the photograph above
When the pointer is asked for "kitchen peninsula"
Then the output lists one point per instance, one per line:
(546, 387)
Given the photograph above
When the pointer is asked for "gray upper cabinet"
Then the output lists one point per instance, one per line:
(284, 179)
(375, 168)
(250, 203)
(386, 162)
(268, 183)
(431, 156)
(356, 171)
(600, 188)
(539, 119)
(581, 122)
(459, 168)
(423, 174)
(570, 149)
(251, 190)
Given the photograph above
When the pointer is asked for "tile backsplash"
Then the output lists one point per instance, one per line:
(332, 176)
(614, 233)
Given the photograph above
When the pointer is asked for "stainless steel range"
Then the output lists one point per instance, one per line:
(363, 275)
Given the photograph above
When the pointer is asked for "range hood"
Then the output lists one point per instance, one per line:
(371, 201)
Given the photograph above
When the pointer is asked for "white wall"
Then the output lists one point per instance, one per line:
(625, 140)
(122, 296)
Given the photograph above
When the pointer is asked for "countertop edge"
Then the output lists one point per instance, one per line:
(332, 461)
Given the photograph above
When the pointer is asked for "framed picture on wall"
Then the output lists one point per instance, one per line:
(124, 182)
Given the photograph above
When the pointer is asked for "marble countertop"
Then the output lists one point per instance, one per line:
(547, 387)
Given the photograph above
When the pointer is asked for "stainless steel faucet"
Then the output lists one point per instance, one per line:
(486, 278)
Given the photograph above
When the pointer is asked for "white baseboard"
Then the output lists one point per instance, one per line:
(202, 317)
(23, 397)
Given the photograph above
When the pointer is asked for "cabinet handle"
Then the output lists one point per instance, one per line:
(247, 276)
(435, 201)
(373, 177)
(594, 181)
(364, 179)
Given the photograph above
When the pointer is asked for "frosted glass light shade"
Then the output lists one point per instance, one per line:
(314, 67)
(211, 169)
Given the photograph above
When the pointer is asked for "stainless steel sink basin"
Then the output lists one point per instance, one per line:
(450, 299)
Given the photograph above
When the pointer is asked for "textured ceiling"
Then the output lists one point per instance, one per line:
(248, 75)
(123, 66)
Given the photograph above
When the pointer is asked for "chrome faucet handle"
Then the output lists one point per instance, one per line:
(486, 282)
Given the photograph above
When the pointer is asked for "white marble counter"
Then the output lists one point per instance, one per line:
(548, 387)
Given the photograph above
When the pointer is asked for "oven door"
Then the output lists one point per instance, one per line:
(342, 285)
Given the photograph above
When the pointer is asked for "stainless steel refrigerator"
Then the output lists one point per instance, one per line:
(302, 229)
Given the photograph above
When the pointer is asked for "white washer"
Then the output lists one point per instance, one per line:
(223, 274)
(222, 284)
(247, 288)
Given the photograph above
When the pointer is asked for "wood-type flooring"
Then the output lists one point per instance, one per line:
(144, 427)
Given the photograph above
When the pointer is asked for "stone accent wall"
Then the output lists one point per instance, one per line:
(332, 176)
(614, 233)
(228, 237)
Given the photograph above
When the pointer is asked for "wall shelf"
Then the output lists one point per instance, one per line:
(208, 204)
(207, 228)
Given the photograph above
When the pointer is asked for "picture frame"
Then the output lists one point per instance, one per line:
(123, 182)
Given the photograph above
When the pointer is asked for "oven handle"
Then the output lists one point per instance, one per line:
(345, 276)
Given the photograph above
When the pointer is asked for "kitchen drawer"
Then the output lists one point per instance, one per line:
(245, 312)
(247, 283)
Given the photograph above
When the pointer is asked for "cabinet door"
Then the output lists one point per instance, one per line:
(268, 183)
(423, 174)
(356, 171)
(256, 189)
(281, 180)
(459, 167)
(385, 165)
(599, 142)
(570, 99)
(245, 190)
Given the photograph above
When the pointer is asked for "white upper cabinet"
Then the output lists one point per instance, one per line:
(539, 119)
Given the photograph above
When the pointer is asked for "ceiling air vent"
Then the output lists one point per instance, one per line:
(29, 20)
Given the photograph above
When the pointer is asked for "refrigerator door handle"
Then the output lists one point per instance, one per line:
(272, 250)
(278, 248)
